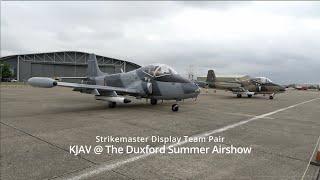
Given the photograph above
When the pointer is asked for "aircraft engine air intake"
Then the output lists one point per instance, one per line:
(42, 82)
(149, 87)
(258, 87)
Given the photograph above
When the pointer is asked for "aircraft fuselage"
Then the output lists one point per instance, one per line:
(171, 86)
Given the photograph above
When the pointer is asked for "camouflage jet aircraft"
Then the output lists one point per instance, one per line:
(247, 86)
(154, 82)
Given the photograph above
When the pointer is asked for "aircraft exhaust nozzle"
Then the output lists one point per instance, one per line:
(118, 99)
(42, 82)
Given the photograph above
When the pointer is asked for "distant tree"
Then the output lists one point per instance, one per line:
(5, 70)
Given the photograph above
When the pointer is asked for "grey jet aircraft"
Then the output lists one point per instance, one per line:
(154, 82)
(245, 86)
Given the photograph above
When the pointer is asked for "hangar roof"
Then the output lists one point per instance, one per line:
(100, 58)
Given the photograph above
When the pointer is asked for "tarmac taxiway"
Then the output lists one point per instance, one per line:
(39, 125)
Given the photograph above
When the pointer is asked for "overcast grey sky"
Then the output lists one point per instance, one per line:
(280, 40)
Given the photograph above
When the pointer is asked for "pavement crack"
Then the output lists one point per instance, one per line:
(47, 142)
(70, 172)
(122, 174)
(271, 153)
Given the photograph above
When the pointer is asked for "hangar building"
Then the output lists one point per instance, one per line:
(61, 64)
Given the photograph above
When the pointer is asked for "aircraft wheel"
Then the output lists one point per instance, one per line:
(249, 95)
(175, 107)
(153, 101)
(112, 104)
(270, 97)
(239, 95)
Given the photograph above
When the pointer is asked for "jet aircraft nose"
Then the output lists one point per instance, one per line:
(191, 89)
(282, 89)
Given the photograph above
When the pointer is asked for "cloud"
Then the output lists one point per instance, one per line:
(275, 39)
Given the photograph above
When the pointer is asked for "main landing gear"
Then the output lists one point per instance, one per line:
(153, 101)
(271, 96)
(249, 95)
(239, 95)
(112, 104)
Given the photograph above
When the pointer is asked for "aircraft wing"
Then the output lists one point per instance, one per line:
(98, 87)
(239, 89)
(45, 82)
(60, 78)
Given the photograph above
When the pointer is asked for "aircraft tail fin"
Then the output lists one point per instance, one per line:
(211, 77)
(93, 69)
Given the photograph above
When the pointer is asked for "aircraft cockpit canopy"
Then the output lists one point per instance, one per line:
(263, 80)
(159, 70)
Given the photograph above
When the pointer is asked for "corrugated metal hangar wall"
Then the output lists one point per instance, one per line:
(61, 64)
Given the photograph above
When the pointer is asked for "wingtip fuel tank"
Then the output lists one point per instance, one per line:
(42, 82)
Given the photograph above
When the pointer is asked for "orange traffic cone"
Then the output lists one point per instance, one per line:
(317, 161)
(318, 154)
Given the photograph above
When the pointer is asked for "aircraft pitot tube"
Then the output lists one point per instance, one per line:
(42, 82)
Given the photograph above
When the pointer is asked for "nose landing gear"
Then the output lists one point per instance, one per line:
(112, 104)
(175, 107)
(271, 96)
(153, 101)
